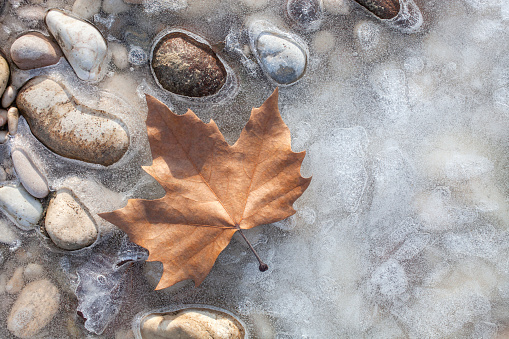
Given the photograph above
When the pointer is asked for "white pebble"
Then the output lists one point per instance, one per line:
(12, 120)
(86, 8)
(8, 96)
(16, 283)
(23, 209)
(7, 234)
(29, 175)
(120, 55)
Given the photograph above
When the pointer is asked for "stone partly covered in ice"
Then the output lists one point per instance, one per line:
(34, 50)
(191, 324)
(23, 209)
(83, 45)
(29, 175)
(186, 66)
(35, 307)
(69, 128)
(67, 222)
(401, 14)
(307, 14)
(281, 55)
(4, 74)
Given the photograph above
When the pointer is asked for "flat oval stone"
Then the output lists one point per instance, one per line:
(282, 59)
(69, 128)
(83, 45)
(4, 74)
(35, 307)
(23, 209)
(185, 66)
(191, 324)
(34, 50)
(69, 226)
(29, 175)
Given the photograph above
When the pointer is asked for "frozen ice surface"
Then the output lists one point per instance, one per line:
(403, 232)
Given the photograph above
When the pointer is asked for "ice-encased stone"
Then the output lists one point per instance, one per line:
(29, 175)
(191, 324)
(7, 234)
(282, 56)
(186, 66)
(69, 128)
(34, 50)
(68, 224)
(34, 308)
(23, 209)
(307, 14)
(83, 45)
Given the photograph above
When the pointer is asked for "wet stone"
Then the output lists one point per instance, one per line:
(185, 66)
(34, 50)
(384, 9)
(34, 308)
(69, 128)
(282, 59)
(191, 324)
(69, 226)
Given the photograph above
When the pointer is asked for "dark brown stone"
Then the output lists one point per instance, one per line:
(384, 9)
(187, 67)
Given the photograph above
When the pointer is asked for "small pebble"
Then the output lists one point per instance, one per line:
(323, 42)
(3, 117)
(16, 283)
(307, 14)
(3, 136)
(119, 55)
(9, 96)
(4, 74)
(115, 6)
(12, 120)
(7, 234)
(34, 50)
(29, 175)
(33, 271)
(23, 209)
(86, 9)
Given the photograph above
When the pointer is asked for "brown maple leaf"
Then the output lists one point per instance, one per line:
(212, 189)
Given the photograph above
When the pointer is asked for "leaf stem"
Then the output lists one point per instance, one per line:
(263, 266)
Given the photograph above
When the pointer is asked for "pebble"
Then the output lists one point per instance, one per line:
(69, 226)
(3, 117)
(4, 74)
(119, 55)
(3, 136)
(35, 307)
(324, 42)
(191, 324)
(33, 271)
(307, 14)
(86, 9)
(115, 6)
(185, 66)
(9, 96)
(74, 131)
(29, 175)
(34, 50)
(12, 120)
(282, 59)
(7, 234)
(16, 283)
(83, 45)
(337, 7)
(23, 209)
(387, 9)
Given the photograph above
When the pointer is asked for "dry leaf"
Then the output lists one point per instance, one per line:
(212, 189)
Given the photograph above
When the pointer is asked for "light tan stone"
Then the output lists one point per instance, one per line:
(34, 50)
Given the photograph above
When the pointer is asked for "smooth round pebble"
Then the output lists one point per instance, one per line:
(29, 175)
(69, 226)
(33, 271)
(282, 59)
(191, 324)
(4, 74)
(185, 66)
(23, 209)
(86, 9)
(16, 282)
(35, 307)
(68, 128)
(34, 50)
(9, 96)
(82, 44)
(12, 120)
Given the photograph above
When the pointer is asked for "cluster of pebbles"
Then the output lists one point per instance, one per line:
(182, 63)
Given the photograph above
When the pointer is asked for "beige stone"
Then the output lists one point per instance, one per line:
(4, 74)
(34, 50)
(29, 175)
(33, 271)
(9, 96)
(16, 283)
(191, 324)
(34, 308)
(68, 224)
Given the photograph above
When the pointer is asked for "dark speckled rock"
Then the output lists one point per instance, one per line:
(185, 66)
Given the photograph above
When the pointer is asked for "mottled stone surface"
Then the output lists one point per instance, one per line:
(34, 50)
(69, 226)
(191, 324)
(384, 9)
(69, 128)
(34, 308)
(187, 67)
